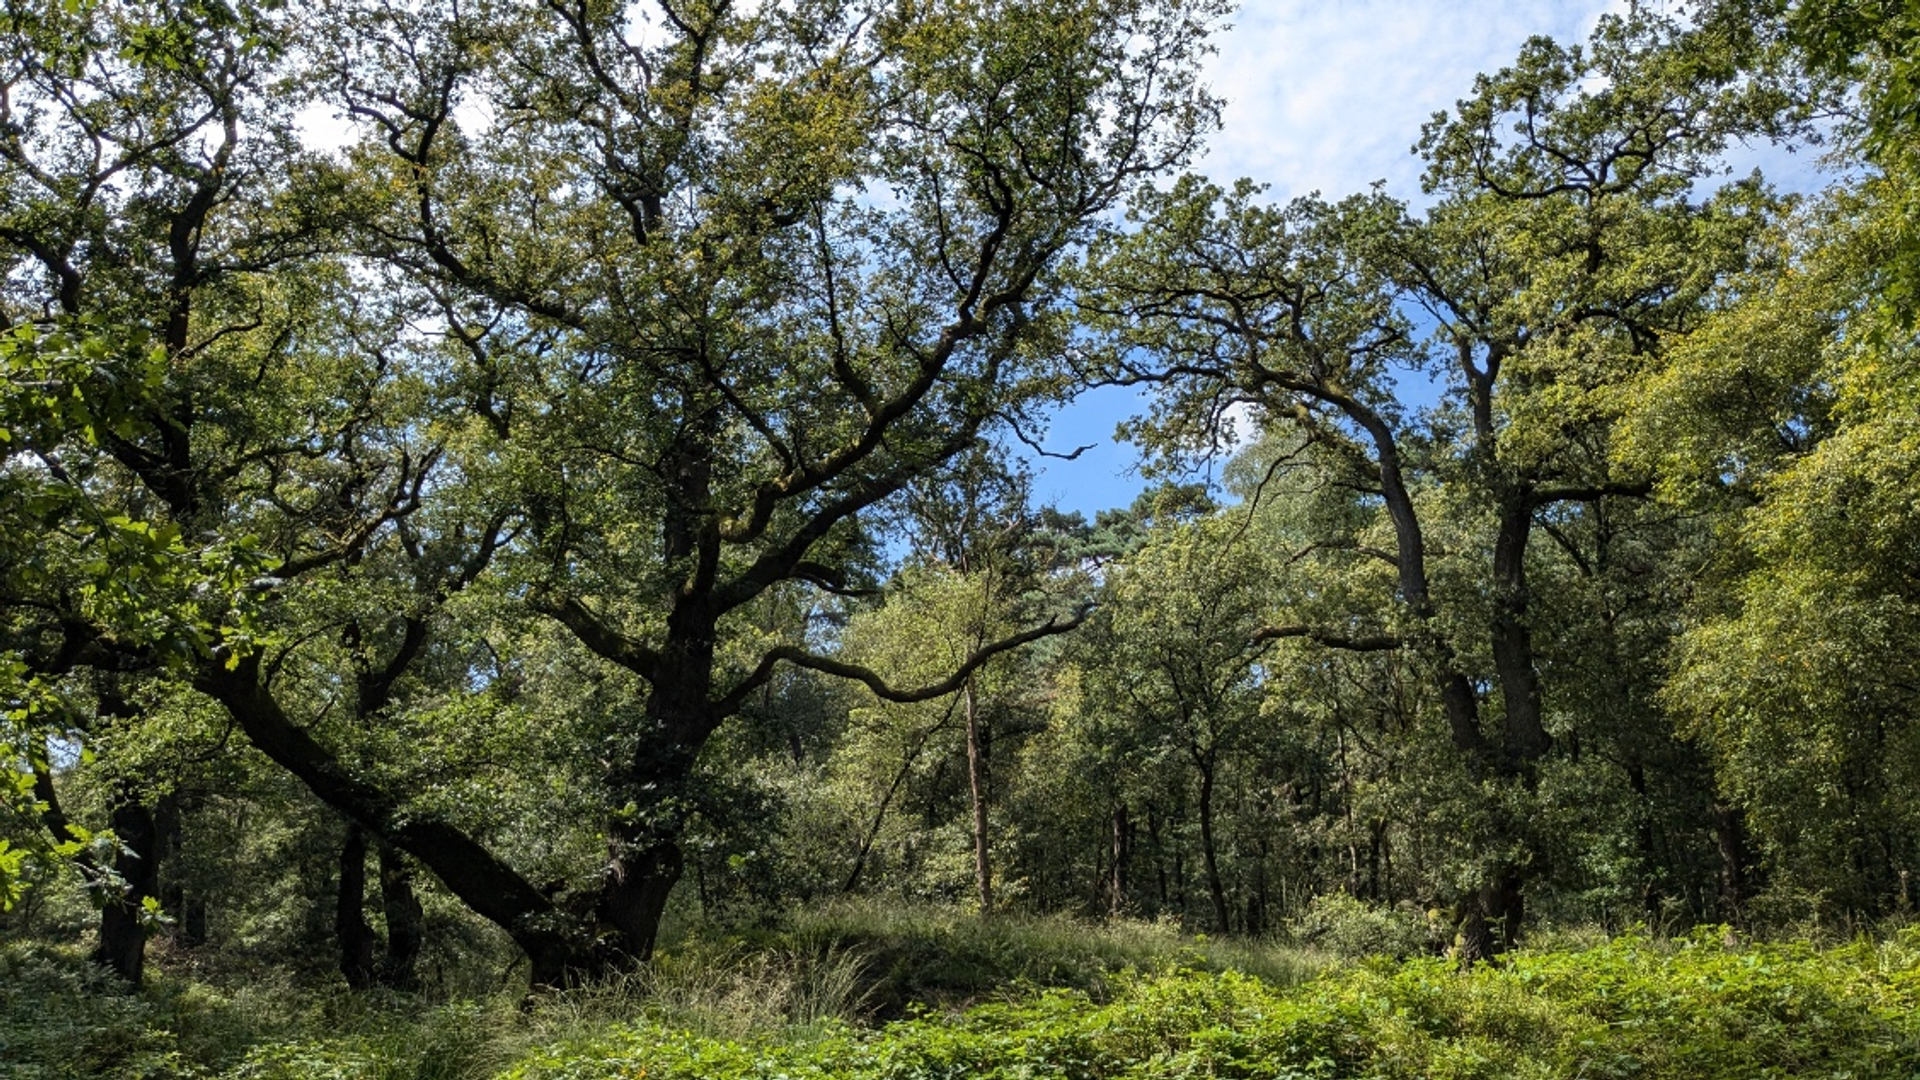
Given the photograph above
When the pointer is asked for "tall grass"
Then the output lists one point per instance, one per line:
(882, 992)
(934, 955)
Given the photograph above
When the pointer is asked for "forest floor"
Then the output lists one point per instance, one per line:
(919, 994)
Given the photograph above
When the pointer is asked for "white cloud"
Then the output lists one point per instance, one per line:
(1329, 96)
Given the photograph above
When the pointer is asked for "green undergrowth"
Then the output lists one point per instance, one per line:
(1695, 1010)
(1702, 1007)
(929, 956)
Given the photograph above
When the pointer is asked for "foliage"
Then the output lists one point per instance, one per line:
(1698, 1008)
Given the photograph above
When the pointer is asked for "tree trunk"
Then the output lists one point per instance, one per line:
(399, 969)
(1117, 874)
(1512, 638)
(635, 896)
(886, 801)
(122, 947)
(1490, 918)
(185, 903)
(355, 936)
(977, 784)
(1215, 891)
(1729, 832)
(645, 860)
(1159, 854)
(557, 947)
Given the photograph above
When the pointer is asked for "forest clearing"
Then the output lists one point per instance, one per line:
(522, 553)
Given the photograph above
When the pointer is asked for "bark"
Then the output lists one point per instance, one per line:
(399, 968)
(1730, 834)
(187, 905)
(355, 935)
(977, 786)
(555, 945)
(1512, 638)
(635, 896)
(122, 947)
(1159, 855)
(1121, 849)
(1457, 698)
(1222, 919)
(1490, 918)
(644, 858)
(1651, 894)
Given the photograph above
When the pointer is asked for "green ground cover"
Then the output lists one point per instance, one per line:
(1137, 1003)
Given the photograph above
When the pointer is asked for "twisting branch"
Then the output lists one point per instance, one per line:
(603, 640)
(799, 657)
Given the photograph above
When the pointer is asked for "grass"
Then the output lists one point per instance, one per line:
(866, 992)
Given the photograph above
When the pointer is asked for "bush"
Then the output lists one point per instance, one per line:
(1353, 930)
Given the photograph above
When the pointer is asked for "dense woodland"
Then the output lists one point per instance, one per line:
(591, 495)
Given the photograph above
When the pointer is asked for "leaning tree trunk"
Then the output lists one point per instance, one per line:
(1512, 636)
(557, 948)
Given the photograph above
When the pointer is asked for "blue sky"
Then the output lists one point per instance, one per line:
(1329, 96)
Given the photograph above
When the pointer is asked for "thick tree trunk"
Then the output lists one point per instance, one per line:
(399, 968)
(355, 935)
(1490, 917)
(635, 896)
(122, 947)
(1512, 638)
(645, 860)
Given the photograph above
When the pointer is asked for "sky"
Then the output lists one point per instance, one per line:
(1327, 96)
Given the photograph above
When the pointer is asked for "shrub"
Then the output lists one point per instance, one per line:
(1353, 930)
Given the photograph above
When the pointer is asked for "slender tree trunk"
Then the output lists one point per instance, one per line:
(1730, 834)
(886, 801)
(1222, 919)
(977, 783)
(355, 936)
(1117, 873)
(1650, 892)
(1159, 854)
(181, 899)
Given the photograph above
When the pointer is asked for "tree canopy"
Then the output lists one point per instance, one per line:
(550, 451)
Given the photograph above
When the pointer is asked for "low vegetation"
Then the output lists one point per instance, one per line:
(915, 994)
